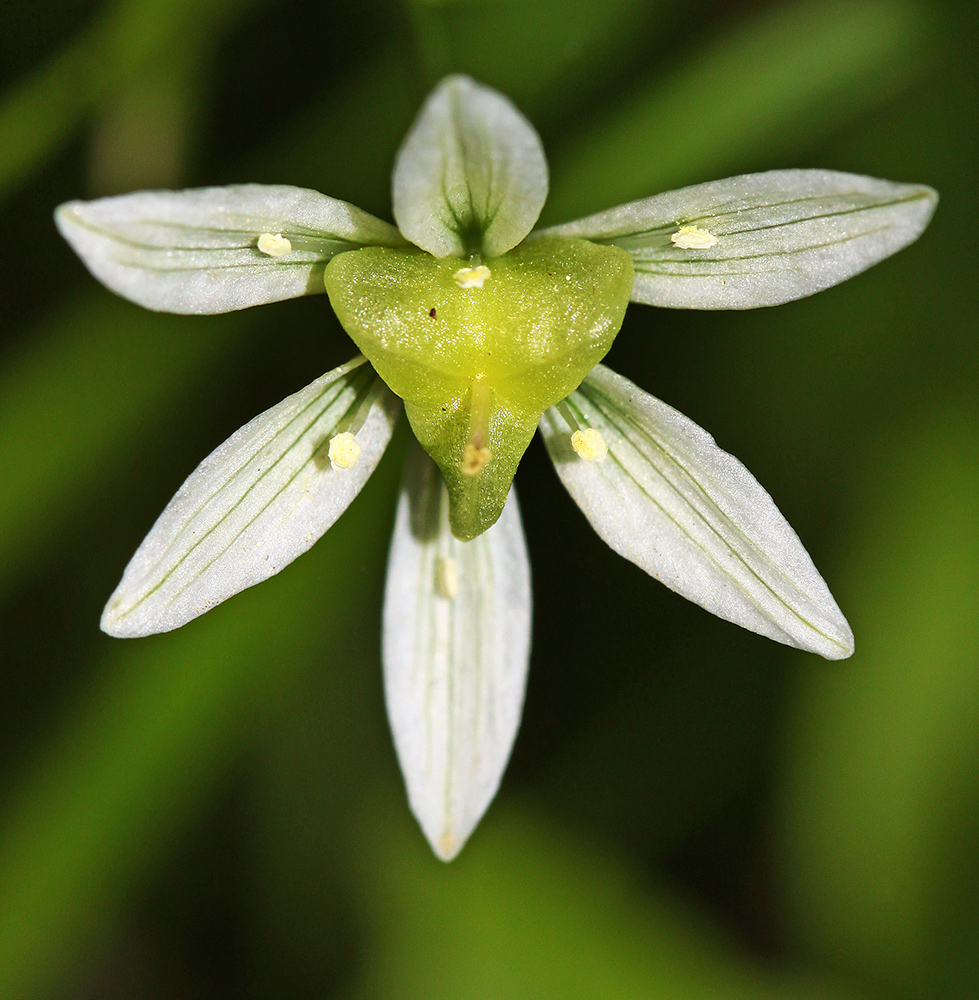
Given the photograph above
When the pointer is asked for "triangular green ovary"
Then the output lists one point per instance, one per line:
(478, 365)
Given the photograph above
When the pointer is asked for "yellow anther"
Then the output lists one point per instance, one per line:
(693, 238)
(472, 277)
(589, 444)
(274, 245)
(474, 460)
(344, 451)
(446, 578)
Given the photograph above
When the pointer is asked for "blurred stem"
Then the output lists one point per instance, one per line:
(143, 135)
(432, 40)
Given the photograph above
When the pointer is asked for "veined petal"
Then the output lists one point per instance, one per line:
(456, 648)
(257, 502)
(691, 515)
(471, 175)
(212, 250)
(758, 239)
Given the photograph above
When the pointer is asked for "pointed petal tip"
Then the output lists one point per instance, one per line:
(447, 846)
(928, 198)
(840, 647)
(120, 622)
(446, 835)
(111, 623)
(64, 212)
(826, 633)
(928, 193)
(114, 621)
(829, 634)
(68, 220)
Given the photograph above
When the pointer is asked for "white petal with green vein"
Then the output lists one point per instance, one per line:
(256, 503)
(471, 175)
(758, 239)
(456, 647)
(691, 515)
(213, 250)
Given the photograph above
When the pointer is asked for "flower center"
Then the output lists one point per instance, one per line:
(478, 353)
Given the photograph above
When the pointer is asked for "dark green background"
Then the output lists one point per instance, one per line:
(690, 811)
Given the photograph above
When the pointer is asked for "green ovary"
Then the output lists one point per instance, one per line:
(477, 366)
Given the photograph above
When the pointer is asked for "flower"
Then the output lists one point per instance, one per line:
(483, 330)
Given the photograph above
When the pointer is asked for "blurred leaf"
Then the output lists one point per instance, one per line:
(144, 134)
(119, 784)
(38, 114)
(778, 83)
(365, 118)
(528, 912)
(954, 971)
(544, 55)
(884, 750)
(80, 390)
(674, 746)
(314, 766)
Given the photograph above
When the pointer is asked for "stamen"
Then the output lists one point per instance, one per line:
(344, 451)
(566, 412)
(446, 578)
(472, 277)
(477, 455)
(356, 419)
(274, 245)
(589, 444)
(693, 238)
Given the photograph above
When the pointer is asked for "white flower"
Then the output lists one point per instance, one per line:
(486, 330)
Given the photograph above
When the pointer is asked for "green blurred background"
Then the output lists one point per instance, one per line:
(690, 811)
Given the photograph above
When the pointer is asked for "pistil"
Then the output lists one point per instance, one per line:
(477, 455)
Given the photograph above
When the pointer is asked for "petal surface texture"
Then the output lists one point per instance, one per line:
(758, 239)
(256, 503)
(691, 515)
(456, 646)
(471, 175)
(213, 250)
